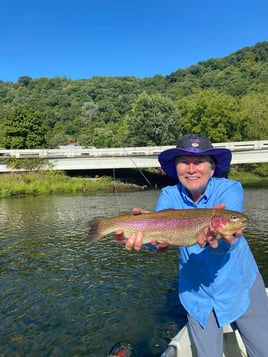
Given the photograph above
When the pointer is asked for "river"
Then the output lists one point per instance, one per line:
(61, 297)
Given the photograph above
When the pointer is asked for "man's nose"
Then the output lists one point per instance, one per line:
(191, 167)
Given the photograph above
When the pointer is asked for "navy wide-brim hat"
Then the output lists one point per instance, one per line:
(195, 144)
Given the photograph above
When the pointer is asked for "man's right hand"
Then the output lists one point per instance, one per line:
(135, 240)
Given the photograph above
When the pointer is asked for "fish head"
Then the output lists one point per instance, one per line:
(122, 349)
(228, 222)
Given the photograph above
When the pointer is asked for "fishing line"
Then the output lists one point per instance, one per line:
(116, 191)
(139, 170)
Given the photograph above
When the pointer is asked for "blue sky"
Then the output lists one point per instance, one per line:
(141, 38)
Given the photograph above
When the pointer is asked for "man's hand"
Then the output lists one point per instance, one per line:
(135, 240)
(209, 236)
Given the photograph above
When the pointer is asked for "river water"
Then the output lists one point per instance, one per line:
(61, 297)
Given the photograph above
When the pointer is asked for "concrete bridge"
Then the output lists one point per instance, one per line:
(78, 158)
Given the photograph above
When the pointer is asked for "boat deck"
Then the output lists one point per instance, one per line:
(182, 344)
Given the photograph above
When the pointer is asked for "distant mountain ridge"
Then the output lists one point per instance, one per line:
(224, 98)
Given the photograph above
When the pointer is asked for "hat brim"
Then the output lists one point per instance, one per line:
(221, 156)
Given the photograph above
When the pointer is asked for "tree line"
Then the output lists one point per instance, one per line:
(223, 98)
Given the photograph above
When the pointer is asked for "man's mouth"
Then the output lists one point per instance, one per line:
(192, 177)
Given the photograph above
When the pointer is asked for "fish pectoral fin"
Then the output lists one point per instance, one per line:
(119, 239)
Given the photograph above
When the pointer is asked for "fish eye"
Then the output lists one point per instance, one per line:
(234, 217)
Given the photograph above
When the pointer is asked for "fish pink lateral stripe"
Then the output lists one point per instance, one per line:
(166, 222)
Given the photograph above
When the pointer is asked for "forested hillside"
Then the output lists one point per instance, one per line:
(224, 98)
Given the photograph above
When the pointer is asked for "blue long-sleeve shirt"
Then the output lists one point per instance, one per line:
(213, 278)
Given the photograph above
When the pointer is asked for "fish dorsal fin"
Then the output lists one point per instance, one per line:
(123, 213)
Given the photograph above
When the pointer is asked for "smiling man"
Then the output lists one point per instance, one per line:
(194, 172)
(219, 281)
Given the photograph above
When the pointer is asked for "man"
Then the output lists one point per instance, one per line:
(219, 281)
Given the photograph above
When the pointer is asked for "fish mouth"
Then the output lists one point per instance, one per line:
(245, 221)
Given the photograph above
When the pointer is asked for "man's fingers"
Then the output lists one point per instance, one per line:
(201, 240)
(238, 233)
(119, 232)
(207, 238)
(137, 211)
(212, 241)
(219, 206)
(119, 236)
(135, 241)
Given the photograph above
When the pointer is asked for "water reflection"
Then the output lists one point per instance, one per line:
(256, 207)
(61, 297)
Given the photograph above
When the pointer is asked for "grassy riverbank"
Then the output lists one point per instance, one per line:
(250, 175)
(249, 180)
(37, 183)
(50, 182)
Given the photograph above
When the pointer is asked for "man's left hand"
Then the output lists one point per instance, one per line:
(209, 236)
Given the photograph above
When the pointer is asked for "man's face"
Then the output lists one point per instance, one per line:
(194, 172)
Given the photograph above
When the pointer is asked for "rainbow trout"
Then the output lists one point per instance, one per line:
(178, 227)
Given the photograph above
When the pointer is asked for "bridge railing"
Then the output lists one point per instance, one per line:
(127, 151)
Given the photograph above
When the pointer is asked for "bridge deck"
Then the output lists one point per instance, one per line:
(77, 158)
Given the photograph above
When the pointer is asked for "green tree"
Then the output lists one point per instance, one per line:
(153, 120)
(215, 114)
(89, 113)
(256, 105)
(23, 129)
(102, 137)
(24, 80)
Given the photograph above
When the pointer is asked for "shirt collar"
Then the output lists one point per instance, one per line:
(203, 199)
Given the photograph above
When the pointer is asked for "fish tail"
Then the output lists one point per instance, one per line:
(94, 232)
